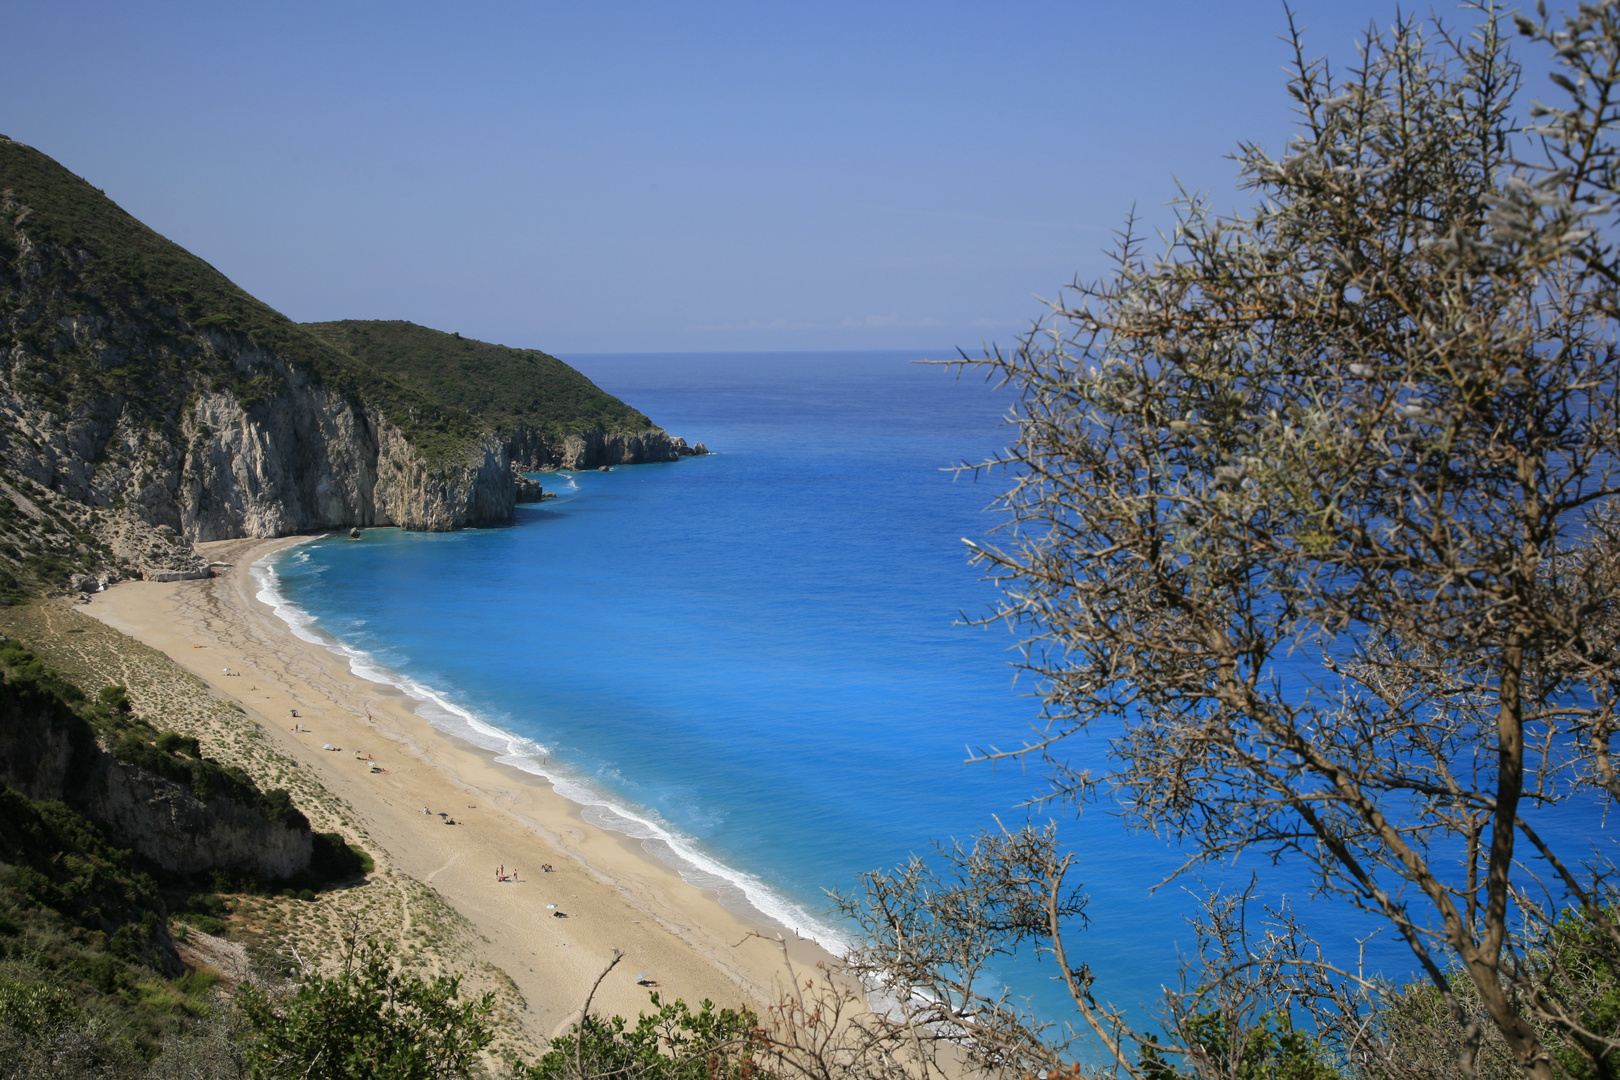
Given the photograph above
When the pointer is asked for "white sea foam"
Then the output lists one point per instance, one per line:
(737, 890)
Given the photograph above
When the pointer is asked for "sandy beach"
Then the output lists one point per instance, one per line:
(613, 894)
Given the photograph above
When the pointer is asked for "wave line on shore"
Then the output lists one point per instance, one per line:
(737, 890)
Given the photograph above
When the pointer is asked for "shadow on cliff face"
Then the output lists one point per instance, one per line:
(182, 814)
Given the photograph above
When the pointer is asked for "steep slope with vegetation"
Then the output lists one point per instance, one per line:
(146, 402)
(96, 972)
(156, 792)
(548, 414)
(270, 927)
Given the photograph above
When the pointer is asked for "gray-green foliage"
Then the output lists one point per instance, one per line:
(46, 1035)
(1414, 1037)
(43, 1036)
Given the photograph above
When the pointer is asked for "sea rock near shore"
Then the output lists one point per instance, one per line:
(528, 490)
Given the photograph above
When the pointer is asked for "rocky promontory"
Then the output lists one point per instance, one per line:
(147, 403)
(545, 414)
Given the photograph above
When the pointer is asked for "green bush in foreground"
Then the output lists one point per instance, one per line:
(1270, 1050)
(673, 1043)
(371, 1021)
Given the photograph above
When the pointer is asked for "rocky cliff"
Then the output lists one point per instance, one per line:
(545, 414)
(147, 403)
(533, 451)
(50, 751)
(166, 823)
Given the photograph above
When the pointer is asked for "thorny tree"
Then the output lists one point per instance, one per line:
(1317, 506)
(933, 930)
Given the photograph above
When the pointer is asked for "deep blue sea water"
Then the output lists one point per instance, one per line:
(752, 659)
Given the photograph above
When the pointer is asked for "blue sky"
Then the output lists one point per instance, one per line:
(657, 177)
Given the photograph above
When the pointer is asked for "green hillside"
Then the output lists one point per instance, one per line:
(153, 403)
(503, 387)
(111, 271)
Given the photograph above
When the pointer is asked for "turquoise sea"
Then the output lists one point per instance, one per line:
(752, 660)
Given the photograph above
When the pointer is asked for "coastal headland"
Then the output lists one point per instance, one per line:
(610, 893)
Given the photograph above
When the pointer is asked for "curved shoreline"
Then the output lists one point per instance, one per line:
(737, 890)
(618, 896)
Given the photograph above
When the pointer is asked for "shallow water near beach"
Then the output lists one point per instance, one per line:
(753, 661)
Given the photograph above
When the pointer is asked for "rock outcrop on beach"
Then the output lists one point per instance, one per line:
(147, 403)
(48, 751)
(166, 823)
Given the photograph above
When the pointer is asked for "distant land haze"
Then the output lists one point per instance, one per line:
(150, 404)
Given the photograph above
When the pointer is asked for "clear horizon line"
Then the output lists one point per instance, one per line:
(562, 354)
